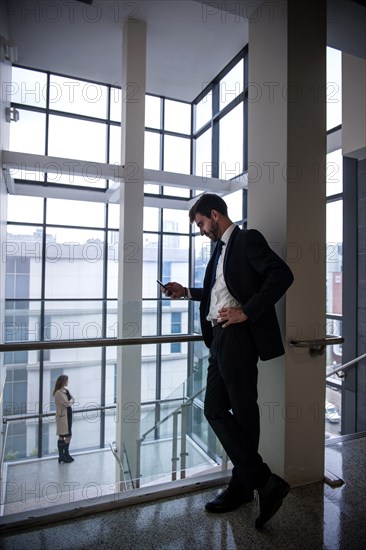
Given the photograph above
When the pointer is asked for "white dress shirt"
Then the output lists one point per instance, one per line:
(220, 296)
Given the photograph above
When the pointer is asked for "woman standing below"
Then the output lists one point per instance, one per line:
(64, 402)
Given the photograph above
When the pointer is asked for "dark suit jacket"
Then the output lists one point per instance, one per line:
(257, 277)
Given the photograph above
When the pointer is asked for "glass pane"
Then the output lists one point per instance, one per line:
(25, 209)
(177, 117)
(77, 139)
(232, 84)
(28, 135)
(151, 189)
(203, 163)
(231, 144)
(173, 370)
(234, 203)
(203, 111)
(83, 367)
(116, 104)
(78, 96)
(175, 221)
(334, 256)
(333, 403)
(176, 191)
(112, 329)
(110, 393)
(177, 155)
(334, 88)
(23, 252)
(16, 445)
(334, 353)
(175, 262)
(200, 363)
(74, 264)
(149, 324)
(334, 172)
(152, 151)
(202, 254)
(113, 216)
(72, 320)
(22, 324)
(152, 112)
(112, 267)
(28, 87)
(151, 218)
(115, 145)
(66, 212)
(148, 377)
(150, 267)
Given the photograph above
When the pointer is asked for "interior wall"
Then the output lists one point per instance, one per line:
(353, 106)
(286, 201)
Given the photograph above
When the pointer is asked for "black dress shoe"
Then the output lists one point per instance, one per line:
(228, 500)
(270, 499)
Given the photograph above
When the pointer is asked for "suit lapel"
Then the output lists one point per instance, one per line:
(228, 246)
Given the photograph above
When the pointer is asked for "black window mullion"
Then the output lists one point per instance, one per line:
(42, 332)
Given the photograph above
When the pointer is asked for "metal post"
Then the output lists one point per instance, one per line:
(183, 442)
(175, 457)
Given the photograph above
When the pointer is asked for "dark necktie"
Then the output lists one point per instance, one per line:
(217, 255)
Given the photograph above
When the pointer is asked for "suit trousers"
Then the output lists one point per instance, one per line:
(231, 406)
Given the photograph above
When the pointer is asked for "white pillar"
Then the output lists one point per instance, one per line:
(131, 241)
(286, 201)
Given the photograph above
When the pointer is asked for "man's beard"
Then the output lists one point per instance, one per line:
(214, 231)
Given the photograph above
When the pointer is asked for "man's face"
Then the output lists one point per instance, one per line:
(208, 227)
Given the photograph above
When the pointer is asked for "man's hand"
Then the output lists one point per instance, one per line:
(173, 290)
(230, 315)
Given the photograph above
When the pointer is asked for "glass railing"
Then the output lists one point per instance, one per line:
(172, 443)
(173, 439)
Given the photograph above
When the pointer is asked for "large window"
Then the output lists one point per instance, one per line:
(219, 122)
(62, 253)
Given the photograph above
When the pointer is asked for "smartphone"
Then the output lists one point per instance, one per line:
(160, 283)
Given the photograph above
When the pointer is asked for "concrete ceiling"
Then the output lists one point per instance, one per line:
(188, 42)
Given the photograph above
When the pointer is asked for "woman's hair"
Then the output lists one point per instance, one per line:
(60, 382)
(206, 203)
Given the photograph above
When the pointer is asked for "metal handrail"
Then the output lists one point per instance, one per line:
(98, 342)
(317, 346)
(187, 402)
(119, 462)
(27, 416)
(30, 416)
(346, 366)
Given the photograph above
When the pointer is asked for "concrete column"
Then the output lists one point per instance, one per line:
(131, 241)
(286, 201)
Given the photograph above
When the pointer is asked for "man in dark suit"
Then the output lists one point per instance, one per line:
(243, 281)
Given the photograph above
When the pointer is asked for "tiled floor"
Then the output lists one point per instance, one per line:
(312, 517)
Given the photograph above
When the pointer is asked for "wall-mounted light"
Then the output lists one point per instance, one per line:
(11, 114)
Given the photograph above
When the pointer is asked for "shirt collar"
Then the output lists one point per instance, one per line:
(227, 234)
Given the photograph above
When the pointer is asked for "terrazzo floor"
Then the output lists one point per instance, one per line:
(312, 517)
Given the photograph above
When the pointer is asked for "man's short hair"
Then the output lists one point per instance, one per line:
(205, 204)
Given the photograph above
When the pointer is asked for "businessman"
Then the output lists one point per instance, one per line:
(244, 279)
